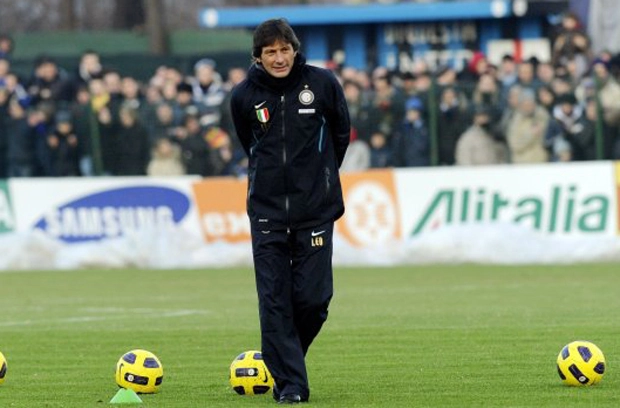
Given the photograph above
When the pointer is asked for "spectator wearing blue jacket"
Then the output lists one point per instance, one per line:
(412, 141)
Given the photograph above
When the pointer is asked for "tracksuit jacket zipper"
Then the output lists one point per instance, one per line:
(286, 198)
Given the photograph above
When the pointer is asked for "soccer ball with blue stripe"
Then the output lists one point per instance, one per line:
(581, 363)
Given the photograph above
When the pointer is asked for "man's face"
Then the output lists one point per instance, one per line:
(527, 106)
(91, 63)
(567, 108)
(351, 93)
(278, 58)
(526, 72)
(48, 71)
(601, 71)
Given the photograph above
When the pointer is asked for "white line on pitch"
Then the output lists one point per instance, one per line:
(81, 319)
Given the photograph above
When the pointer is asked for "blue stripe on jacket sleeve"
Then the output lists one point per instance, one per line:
(322, 134)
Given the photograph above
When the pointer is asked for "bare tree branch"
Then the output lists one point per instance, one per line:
(67, 15)
(156, 27)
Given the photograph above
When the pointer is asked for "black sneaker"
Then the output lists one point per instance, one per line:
(289, 399)
(276, 393)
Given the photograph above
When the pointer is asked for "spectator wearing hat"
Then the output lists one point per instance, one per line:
(478, 146)
(63, 147)
(477, 65)
(207, 90)
(411, 141)
(527, 130)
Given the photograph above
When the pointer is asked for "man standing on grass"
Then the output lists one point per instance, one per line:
(292, 120)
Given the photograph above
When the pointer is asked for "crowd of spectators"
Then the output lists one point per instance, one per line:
(518, 111)
(94, 120)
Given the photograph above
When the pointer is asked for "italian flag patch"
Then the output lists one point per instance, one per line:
(263, 115)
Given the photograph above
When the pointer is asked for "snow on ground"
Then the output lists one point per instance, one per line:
(484, 244)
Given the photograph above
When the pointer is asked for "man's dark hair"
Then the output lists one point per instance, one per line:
(270, 31)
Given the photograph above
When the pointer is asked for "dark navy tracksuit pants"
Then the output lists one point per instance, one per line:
(295, 285)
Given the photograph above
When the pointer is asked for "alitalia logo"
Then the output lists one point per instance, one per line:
(563, 209)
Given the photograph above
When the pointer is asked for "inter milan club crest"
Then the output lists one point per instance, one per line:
(306, 96)
(262, 115)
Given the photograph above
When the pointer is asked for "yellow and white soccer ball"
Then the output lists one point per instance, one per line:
(249, 374)
(139, 370)
(3, 368)
(581, 363)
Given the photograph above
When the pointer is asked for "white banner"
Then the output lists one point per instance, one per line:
(548, 213)
(76, 210)
(560, 199)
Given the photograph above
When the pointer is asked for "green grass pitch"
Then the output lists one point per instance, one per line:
(424, 336)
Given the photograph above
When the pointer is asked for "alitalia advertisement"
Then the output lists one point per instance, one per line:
(563, 199)
(577, 199)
